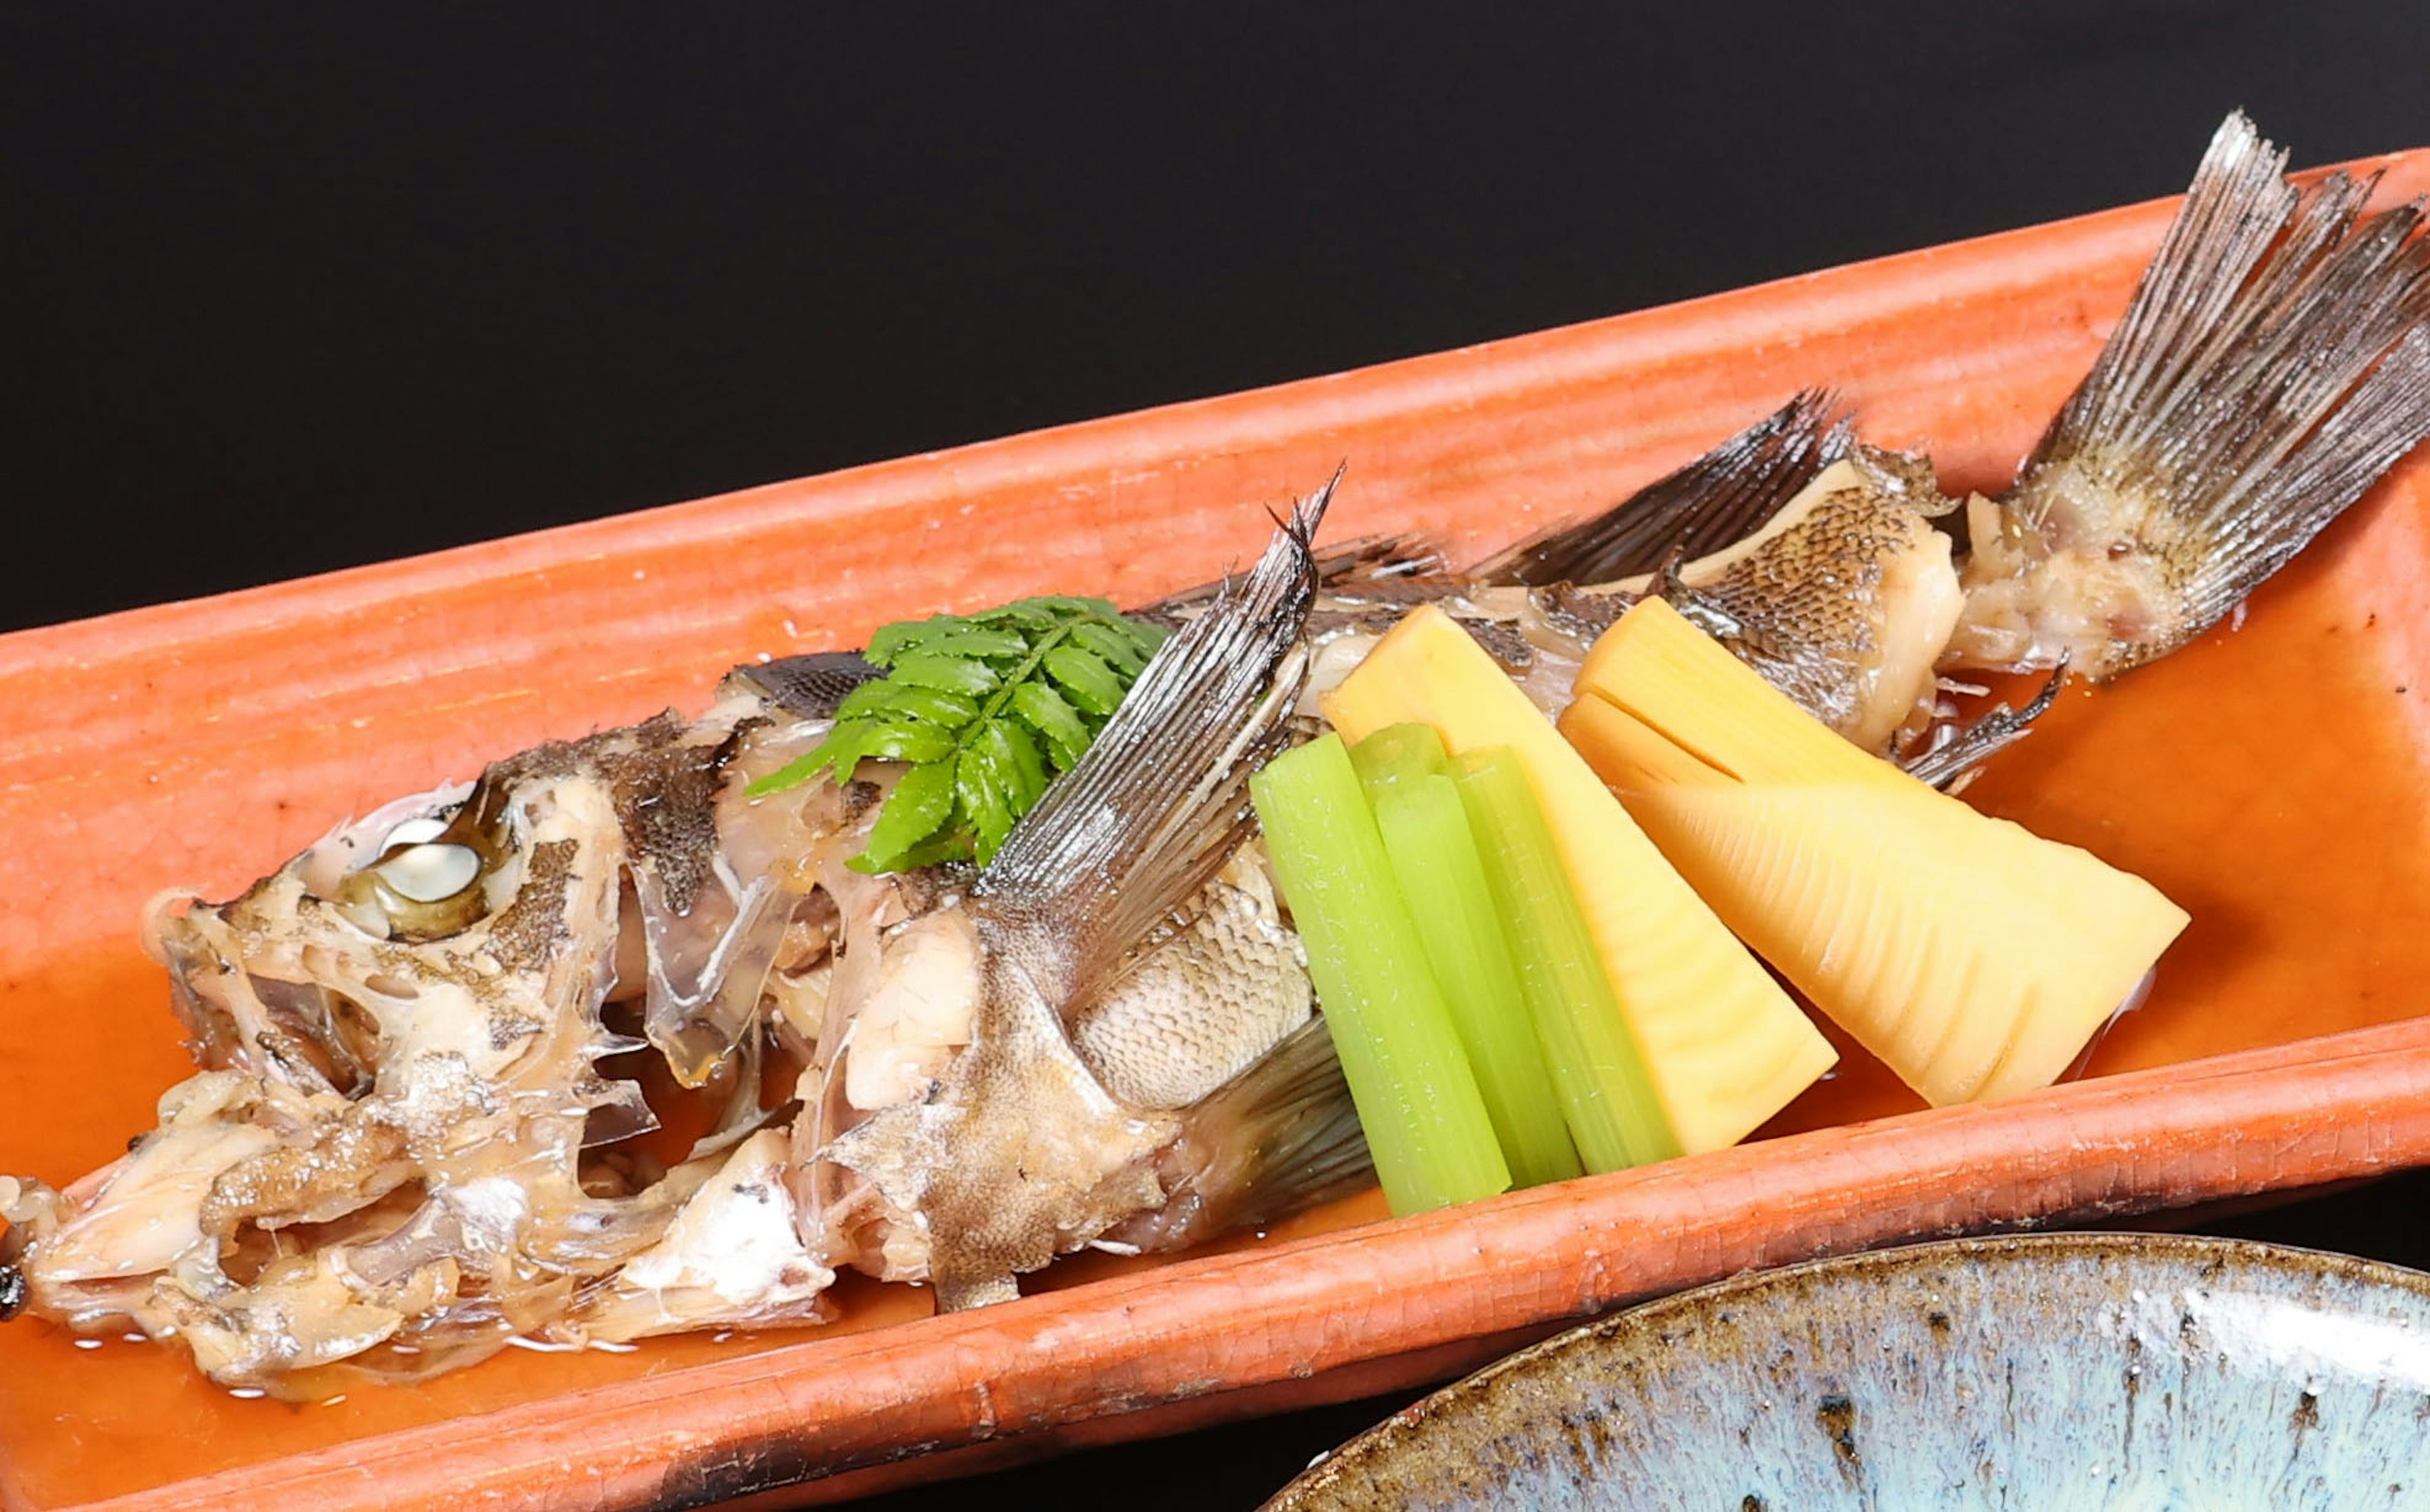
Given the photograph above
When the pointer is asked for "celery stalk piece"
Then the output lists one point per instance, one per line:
(1397, 753)
(1442, 879)
(1606, 1097)
(1426, 1125)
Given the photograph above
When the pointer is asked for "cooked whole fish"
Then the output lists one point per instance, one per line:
(602, 1045)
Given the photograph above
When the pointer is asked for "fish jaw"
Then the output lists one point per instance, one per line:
(144, 1213)
(152, 1241)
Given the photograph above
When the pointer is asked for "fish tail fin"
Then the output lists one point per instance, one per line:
(1129, 835)
(1280, 1137)
(2270, 368)
(1713, 502)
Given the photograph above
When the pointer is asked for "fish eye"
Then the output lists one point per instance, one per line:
(413, 832)
(429, 871)
(425, 882)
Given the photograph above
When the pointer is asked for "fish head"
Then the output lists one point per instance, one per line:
(404, 1032)
(440, 939)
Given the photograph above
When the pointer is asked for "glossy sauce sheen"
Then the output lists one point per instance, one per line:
(2275, 780)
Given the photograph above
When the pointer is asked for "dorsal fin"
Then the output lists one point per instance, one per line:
(1161, 800)
(1711, 502)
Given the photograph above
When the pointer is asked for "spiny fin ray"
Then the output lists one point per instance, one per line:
(1136, 829)
(1713, 502)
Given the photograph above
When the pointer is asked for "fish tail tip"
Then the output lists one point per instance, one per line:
(2268, 370)
(2239, 137)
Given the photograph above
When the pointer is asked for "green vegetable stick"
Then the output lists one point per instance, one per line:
(1425, 1122)
(1406, 772)
(1606, 1097)
(1397, 753)
(1435, 858)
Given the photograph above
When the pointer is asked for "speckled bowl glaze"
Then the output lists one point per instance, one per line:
(2058, 1370)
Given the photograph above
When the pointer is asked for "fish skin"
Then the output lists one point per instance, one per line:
(1844, 600)
(1201, 1007)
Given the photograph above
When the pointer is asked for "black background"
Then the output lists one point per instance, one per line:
(282, 290)
(286, 289)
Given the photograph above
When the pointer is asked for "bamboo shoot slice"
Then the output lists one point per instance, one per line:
(1974, 957)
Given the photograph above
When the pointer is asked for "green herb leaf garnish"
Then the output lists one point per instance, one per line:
(986, 709)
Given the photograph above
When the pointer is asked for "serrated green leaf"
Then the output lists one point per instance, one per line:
(1110, 645)
(1028, 614)
(1046, 712)
(921, 804)
(885, 697)
(986, 709)
(1014, 757)
(1150, 635)
(904, 741)
(948, 674)
(839, 753)
(791, 775)
(952, 843)
(986, 797)
(983, 641)
(892, 640)
(1089, 681)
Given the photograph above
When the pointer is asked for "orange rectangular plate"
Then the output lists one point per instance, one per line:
(2274, 779)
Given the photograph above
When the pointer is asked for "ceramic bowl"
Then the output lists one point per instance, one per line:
(2033, 1374)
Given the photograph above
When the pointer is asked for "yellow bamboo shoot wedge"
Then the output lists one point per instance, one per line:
(1725, 1046)
(1974, 957)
